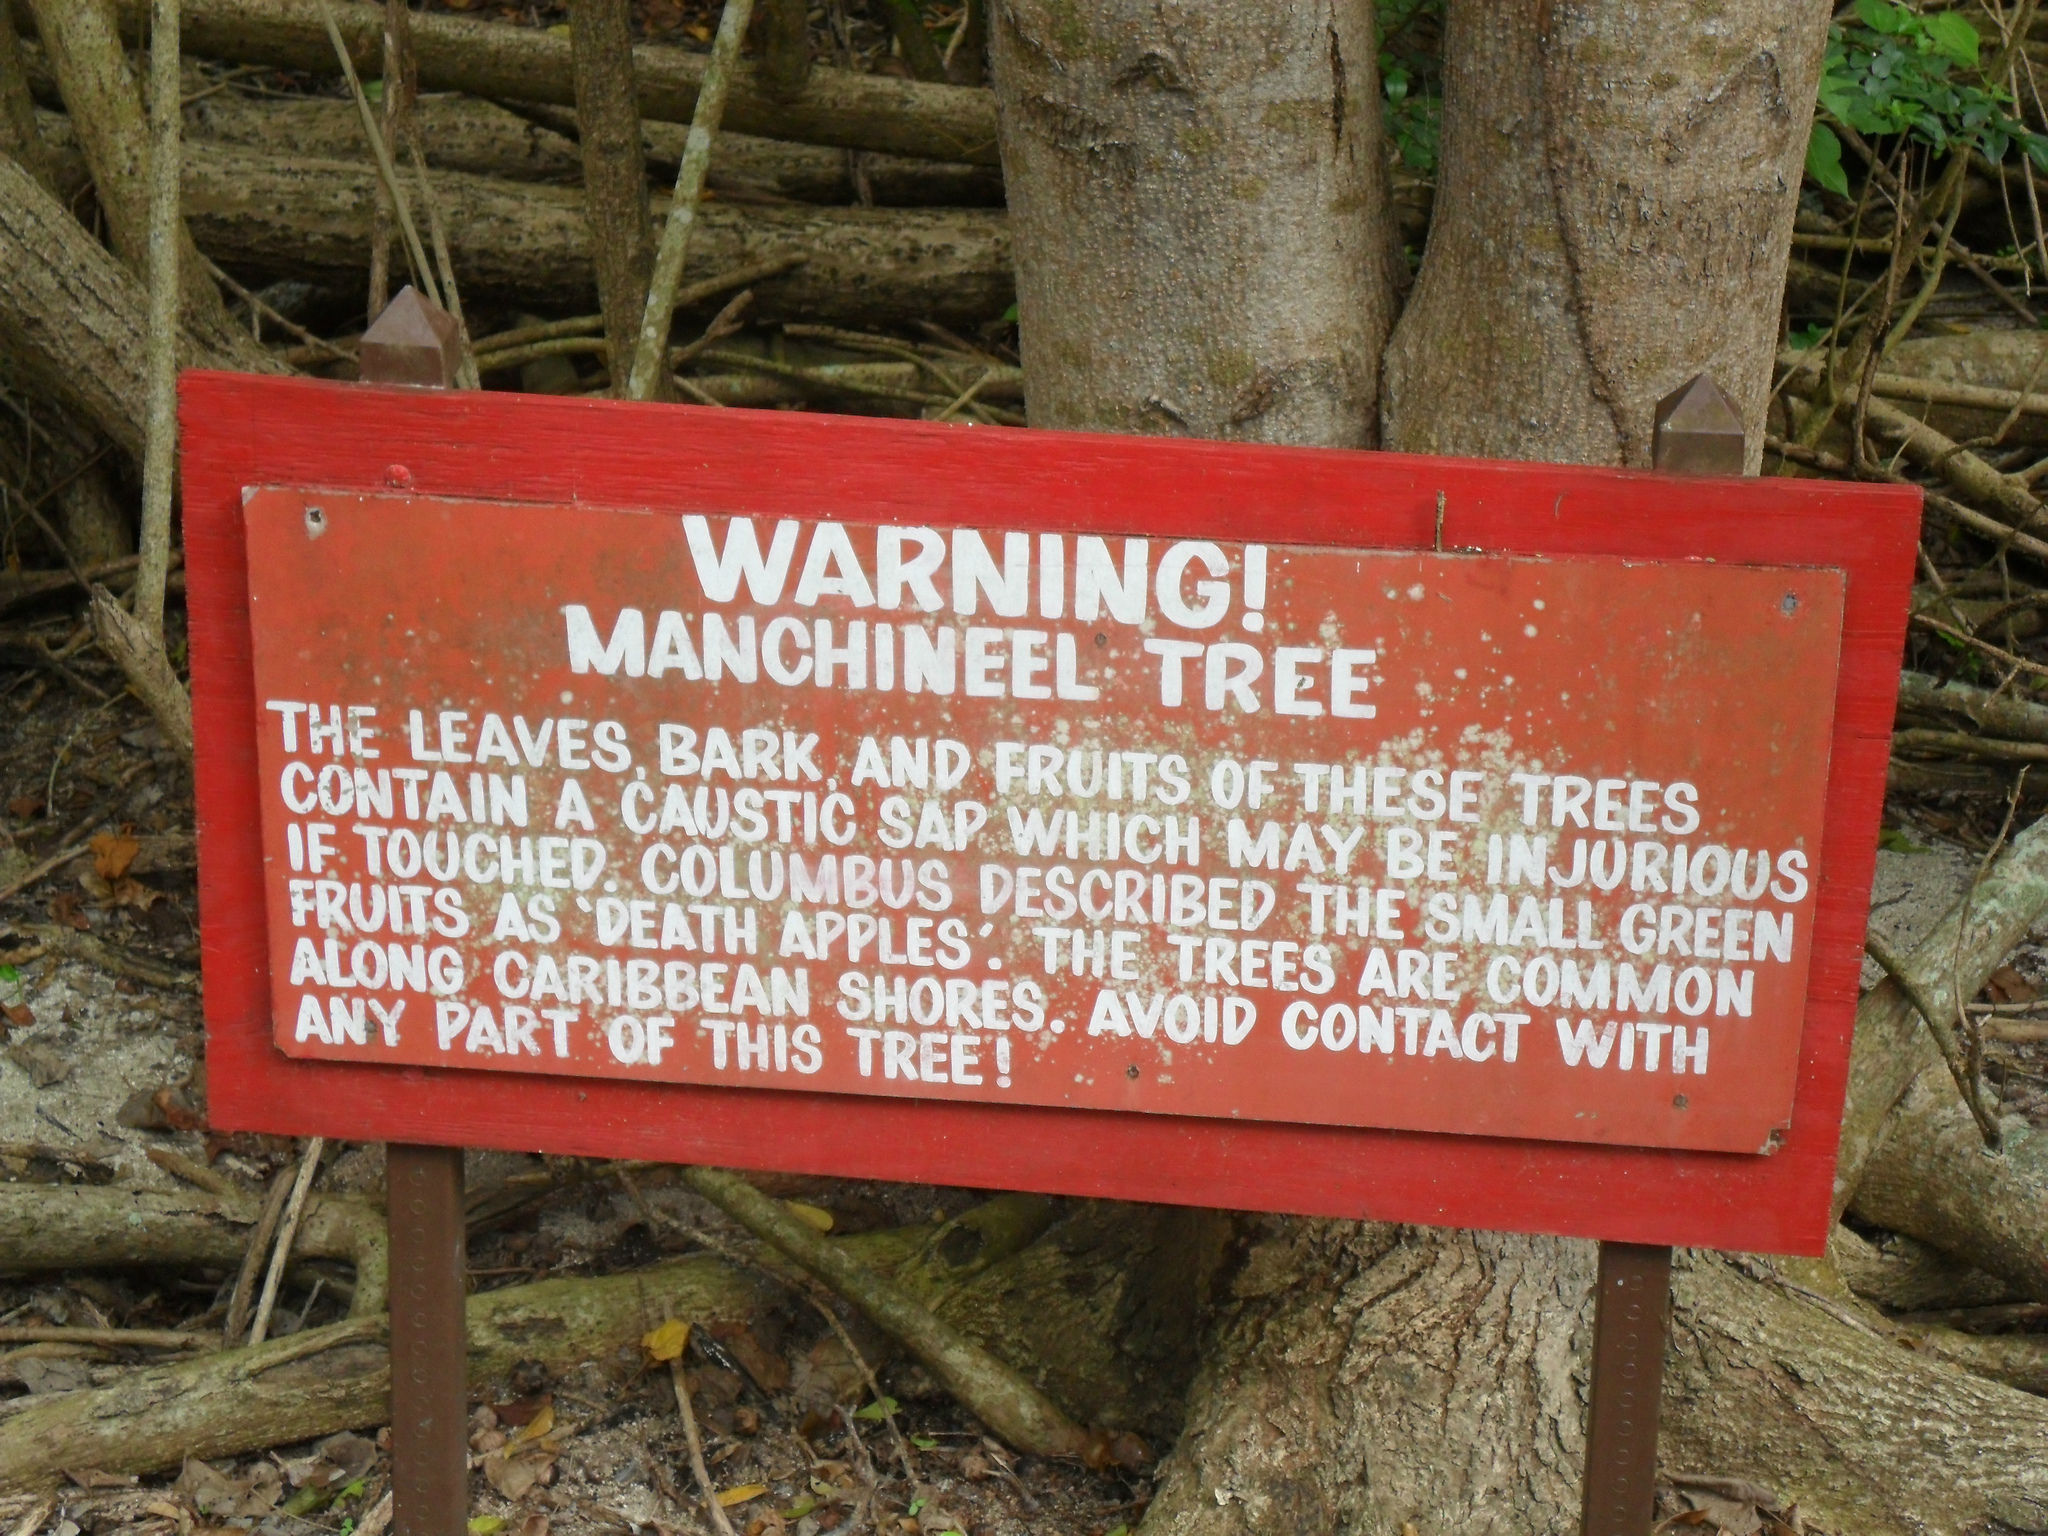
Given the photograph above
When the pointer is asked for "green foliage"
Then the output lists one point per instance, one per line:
(1411, 76)
(1893, 72)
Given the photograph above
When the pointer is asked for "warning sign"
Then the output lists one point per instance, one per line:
(1435, 841)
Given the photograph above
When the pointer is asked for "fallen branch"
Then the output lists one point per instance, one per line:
(999, 1396)
(46, 1228)
(649, 370)
(2003, 714)
(462, 133)
(863, 266)
(836, 107)
(328, 1379)
(77, 322)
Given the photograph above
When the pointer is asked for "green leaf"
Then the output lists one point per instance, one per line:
(373, 90)
(9, 974)
(1953, 37)
(1894, 841)
(878, 1410)
(1824, 159)
(924, 1442)
(1883, 16)
(916, 1504)
(486, 1525)
(1010, 314)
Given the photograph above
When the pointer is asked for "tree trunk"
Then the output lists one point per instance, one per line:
(1617, 193)
(614, 176)
(1613, 216)
(1249, 301)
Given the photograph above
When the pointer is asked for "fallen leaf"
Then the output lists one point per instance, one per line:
(132, 893)
(112, 853)
(666, 1342)
(521, 1411)
(215, 1494)
(64, 910)
(533, 1429)
(20, 1015)
(741, 1494)
(516, 1476)
(2009, 986)
(43, 1065)
(25, 806)
(482, 1525)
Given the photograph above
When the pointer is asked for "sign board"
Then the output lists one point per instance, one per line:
(1331, 832)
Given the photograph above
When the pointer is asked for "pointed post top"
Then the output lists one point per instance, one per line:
(414, 341)
(1699, 431)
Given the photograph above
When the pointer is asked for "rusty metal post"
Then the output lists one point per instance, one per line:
(1698, 432)
(1629, 1324)
(416, 342)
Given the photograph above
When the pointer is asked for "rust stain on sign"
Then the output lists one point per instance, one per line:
(1445, 842)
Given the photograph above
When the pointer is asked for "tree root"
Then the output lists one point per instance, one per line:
(983, 1270)
(1768, 1380)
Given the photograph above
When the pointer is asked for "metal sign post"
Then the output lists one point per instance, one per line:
(416, 342)
(1699, 432)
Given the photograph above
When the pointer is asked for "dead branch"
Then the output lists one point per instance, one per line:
(837, 107)
(76, 322)
(461, 133)
(858, 266)
(82, 39)
(614, 172)
(1005, 1401)
(649, 351)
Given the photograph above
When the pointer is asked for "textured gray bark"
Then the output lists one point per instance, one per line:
(1613, 216)
(614, 172)
(83, 42)
(1248, 299)
(836, 106)
(311, 218)
(460, 133)
(74, 320)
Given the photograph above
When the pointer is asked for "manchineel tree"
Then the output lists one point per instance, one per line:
(1204, 247)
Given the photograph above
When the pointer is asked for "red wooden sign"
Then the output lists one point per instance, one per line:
(1164, 820)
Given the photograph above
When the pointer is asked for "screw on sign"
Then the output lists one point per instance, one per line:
(417, 342)
(1484, 846)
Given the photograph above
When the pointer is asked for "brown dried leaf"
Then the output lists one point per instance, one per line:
(2009, 986)
(516, 1476)
(20, 1015)
(128, 892)
(112, 853)
(22, 807)
(64, 910)
(43, 1065)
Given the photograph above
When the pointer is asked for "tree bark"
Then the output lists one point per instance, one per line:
(338, 1377)
(614, 175)
(83, 42)
(1613, 216)
(310, 218)
(1248, 302)
(836, 106)
(1617, 193)
(461, 133)
(74, 319)
(18, 134)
